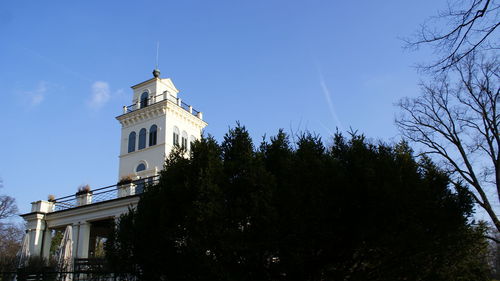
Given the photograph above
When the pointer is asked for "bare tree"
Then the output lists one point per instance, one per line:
(10, 233)
(471, 25)
(457, 119)
(8, 205)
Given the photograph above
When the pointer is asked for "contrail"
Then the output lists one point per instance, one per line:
(327, 95)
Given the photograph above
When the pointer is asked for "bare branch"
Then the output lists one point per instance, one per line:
(470, 28)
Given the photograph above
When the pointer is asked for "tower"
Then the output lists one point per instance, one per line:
(156, 121)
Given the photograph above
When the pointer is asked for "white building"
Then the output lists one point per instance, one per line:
(156, 121)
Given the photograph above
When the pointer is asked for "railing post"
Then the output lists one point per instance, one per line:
(126, 189)
(124, 109)
(200, 115)
(179, 101)
(84, 198)
(190, 109)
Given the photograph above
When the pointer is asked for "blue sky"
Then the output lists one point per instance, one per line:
(67, 66)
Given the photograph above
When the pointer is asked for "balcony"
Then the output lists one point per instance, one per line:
(103, 194)
(161, 98)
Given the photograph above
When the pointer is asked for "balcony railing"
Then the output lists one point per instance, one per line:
(103, 194)
(159, 98)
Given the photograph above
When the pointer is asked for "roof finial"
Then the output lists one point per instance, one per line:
(156, 71)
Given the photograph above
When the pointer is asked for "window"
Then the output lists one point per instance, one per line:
(142, 138)
(140, 167)
(152, 135)
(144, 99)
(184, 139)
(175, 141)
(192, 139)
(131, 142)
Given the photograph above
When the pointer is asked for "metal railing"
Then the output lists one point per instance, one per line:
(159, 98)
(111, 192)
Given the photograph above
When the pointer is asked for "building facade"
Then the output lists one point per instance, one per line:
(156, 122)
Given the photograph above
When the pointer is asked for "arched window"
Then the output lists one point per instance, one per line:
(140, 167)
(131, 142)
(192, 139)
(144, 99)
(184, 141)
(152, 135)
(142, 138)
(175, 141)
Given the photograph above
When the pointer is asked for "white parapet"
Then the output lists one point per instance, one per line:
(126, 189)
(42, 206)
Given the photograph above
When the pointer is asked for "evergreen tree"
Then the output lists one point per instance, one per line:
(352, 211)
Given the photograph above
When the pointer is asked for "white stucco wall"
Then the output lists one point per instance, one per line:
(165, 115)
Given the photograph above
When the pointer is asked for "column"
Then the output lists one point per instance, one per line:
(47, 240)
(36, 226)
(35, 232)
(82, 242)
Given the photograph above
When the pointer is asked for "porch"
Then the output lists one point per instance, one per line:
(91, 214)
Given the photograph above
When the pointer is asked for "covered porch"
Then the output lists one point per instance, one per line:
(91, 215)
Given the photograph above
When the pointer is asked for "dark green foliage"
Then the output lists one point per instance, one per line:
(353, 211)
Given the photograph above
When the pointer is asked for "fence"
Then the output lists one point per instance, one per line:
(65, 276)
(92, 269)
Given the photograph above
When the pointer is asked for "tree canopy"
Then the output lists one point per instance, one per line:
(300, 211)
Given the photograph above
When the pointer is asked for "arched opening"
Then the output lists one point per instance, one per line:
(131, 142)
(192, 139)
(142, 138)
(141, 167)
(184, 140)
(144, 99)
(175, 141)
(152, 135)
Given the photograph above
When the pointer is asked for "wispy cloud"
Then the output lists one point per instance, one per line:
(37, 95)
(100, 95)
(328, 99)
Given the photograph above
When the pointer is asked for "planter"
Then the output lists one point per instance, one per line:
(126, 189)
(83, 198)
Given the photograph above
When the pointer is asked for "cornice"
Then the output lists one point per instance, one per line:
(141, 150)
(143, 83)
(33, 214)
(158, 109)
(145, 113)
(186, 115)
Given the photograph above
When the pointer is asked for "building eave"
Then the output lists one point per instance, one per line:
(145, 82)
